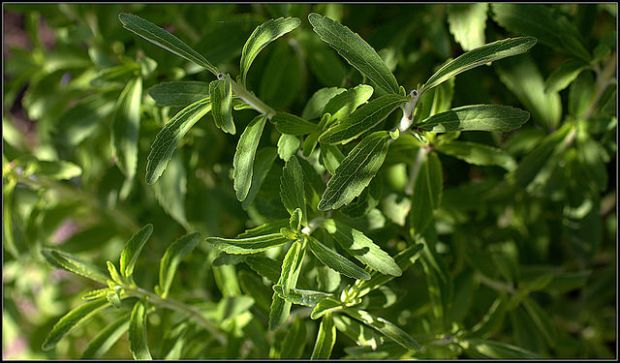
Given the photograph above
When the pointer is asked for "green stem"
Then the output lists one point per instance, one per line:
(603, 80)
(249, 98)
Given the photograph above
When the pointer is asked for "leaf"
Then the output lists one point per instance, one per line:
(336, 261)
(163, 39)
(106, 338)
(290, 124)
(249, 245)
(133, 247)
(73, 264)
(222, 102)
(325, 339)
(542, 320)
(361, 247)
(331, 157)
(478, 154)
(356, 171)
(167, 139)
(292, 187)
(72, 319)
(325, 306)
(291, 268)
(479, 56)
(171, 189)
(179, 93)
(265, 267)
(172, 257)
(281, 77)
(385, 327)
(295, 340)
(301, 297)
(426, 193)
(243, 161)
(138, 343)
(125, 127)
(480, 348)
(262, 36)
(315, 105)
(53, 169)
(345, 103)
(362, 120)
(288, 146)
(262, 164)
(476, 118)
(356, 51)
(467, 23)
(563, 75)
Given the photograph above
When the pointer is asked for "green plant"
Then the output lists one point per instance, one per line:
(361, 177)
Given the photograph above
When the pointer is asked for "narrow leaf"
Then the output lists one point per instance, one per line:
(290, 124)
(73, 264)
(301, 297)
(179, 93)
(315, 105)
(480, 348)
(221, 101)
(384, 327)
(325, 339)
(291, 268)
(132, 250)
(467, 23)
(171, 189)
(138, 343)
(249, 245)
(106, 338)
(292, 187)
(172, 257)
(478, 154)
(345, 103)
(263, 162)
(336, 261)
(427, 193)
(476, 118)
(243, 161)
(564, 75)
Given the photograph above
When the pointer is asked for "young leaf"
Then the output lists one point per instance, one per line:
(261, 37)
(292, 187)
(467, 23)
(356, 51)
(356, 171)
(479, 56)
(243, 161)
(325, 339)
(73, 264)
(167, 139)
(290, 124)
(315, 105)
(291, 268)
(71, 319)
(162, 38)
(361, 247)
(249, 245)
(384, 327)
(564, 75)
(478, 154)
(106, 338)
(476, 118)
(301, 297)
(345, 103)
(179, 93)
(362, 120)
(221, 101)
(263, 162)
(172, 257)
(336, 261)
(288, 146)
(132, 250)
(138, 343)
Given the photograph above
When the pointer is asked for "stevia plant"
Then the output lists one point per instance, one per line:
(319, 262)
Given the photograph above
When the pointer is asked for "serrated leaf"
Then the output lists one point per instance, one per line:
(288, 146)
(106, 338)
(262, 36)
(290, 124)
(476, 118)
(385, 327)
(71, 319)
(164, 39)
(467, 23)
(336, 261)
(249, 245)
(345, 103)
(361, 247)
(243, 161)
(479, 56)
(172, 257)
(73, 264)
(356, 51)
(221, 95)
(356, 171)
(179, 93)
(325, 339)
(563, 75)
(291, 268)
(263, 161)
(167, 139)
(301, 297)
(133, 247)
(362, 120)
(138, 343)
(478, 154)
(292, 187)
(171, 189)
(315, 105)
(125, 131)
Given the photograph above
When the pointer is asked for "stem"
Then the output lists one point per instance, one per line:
(252, 100)
(496, 285)
(603, 80)
(415, 169)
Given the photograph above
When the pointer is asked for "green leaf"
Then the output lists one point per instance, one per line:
(133, 247)
(243, 161)
(291, 268)
(249, 245)
(478, 154)
(385, 327)
(356, 171)
(336, 261)
(476, 118)
(172, 257)
(73, 264)
(282, 77)
(125, 131)
(171, 189)
(262, 36)
(301, 297)
(315, 105)
(167, 139)
(71, 319)
(265, 267)
(292, 187)
(53, 169)
(331, 157)
(290, 124)
(345, 103)
(356, 51)
(479, 56)
(426, 193)
(106, 338)
(288, 146)
(361, 247)
(263, 162)
(480, 348)
(163, 39)
(325, 339)
(179, 93)
(295, 340)
(325, 306)
(138, 343)
(363, 119)
(542, 320)
(563, 75)
(221, 101)
(467, 23)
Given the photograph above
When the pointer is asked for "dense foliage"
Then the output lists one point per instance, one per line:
(309, 181)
